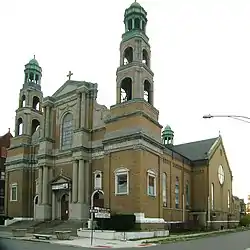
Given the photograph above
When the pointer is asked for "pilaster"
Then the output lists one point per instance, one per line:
(45, 185)
(40, 187)
(75, 182)
(81, 180)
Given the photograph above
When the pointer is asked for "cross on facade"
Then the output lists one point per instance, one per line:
(69, 75)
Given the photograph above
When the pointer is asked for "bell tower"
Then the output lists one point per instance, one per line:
(132, 141)
(134, 75)
(29, 112)
(21, 162)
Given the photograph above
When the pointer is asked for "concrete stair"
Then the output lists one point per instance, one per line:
(45, 227)
(57, 225)
(30, 225)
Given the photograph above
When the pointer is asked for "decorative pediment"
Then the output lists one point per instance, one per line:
(61, 179)
(61, 182)
(67, 87)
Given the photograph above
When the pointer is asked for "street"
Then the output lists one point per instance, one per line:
(231, 241)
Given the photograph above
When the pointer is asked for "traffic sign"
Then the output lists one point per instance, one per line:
(93, 210)
(102, 215)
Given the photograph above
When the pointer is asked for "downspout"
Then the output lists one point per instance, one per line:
(183, 193)
(208, 197)
(159, 187)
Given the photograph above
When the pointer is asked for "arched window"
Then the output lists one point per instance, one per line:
(187, 195)
(121, 181)
(151, 183)
(212, 196)
(97, 179)
(177, 193)
(164, 189)
(126, 89)
(67, 130)
(19, 129)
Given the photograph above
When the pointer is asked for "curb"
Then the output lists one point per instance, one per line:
(69, 245)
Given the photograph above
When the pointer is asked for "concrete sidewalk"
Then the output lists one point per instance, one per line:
(82, 242)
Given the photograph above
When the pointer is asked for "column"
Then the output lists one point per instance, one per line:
(74, 182)
(53, 205)
(45, 184)
(83, 113)
(118, 94)
(40, 183)
(47, 122)
(28, 124)
(44, 122)
(81, 182)
(87, 183)
(50, 189)
(87, 112)
(78, 111)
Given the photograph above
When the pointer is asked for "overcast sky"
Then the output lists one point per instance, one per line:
(200, 57)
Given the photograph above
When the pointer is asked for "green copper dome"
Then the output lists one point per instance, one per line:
(167, 135)
(135, 4)
(34, 61)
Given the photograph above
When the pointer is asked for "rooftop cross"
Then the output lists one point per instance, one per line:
(69, 75)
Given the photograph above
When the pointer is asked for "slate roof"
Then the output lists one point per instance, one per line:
(195, 151)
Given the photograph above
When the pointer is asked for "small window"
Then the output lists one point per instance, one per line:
(97, 180)
(2, 177)
(187, 195)
(177, 193)
(164, 189)
(67, 130)
(121, 182)
(212, 196)
(13, 192)
(1, 192)
(151, 183)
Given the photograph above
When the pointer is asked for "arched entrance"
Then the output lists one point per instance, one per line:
(65, 207)
(35, 205)
(98, 200)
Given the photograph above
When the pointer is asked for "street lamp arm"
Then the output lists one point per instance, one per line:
(229, 116)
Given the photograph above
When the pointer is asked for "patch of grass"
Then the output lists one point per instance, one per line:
(191, 236)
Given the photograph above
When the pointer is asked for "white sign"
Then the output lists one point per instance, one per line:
(60, 186)
(102, 215)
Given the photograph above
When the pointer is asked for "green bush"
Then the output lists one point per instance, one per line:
(117, 222)
(245, 221)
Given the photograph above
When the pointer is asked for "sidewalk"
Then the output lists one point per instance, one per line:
(188, 236)
(82, 242)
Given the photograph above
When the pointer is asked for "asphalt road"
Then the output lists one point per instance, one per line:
(232, 241)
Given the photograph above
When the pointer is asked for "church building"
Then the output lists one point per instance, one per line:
(67, 145)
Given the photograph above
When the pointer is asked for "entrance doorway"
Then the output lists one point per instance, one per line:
(98, 200)
(65, 207)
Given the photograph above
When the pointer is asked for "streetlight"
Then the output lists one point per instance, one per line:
(236, 117)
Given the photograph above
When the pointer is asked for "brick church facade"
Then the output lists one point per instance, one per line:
(67, 145)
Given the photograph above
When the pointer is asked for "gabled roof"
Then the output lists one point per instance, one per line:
(197, 150)
(60, 179)
(5, 140)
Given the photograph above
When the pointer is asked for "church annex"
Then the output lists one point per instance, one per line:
(67, 145)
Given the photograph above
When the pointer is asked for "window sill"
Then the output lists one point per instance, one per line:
(13, 200)
(121, 194)
(152, 195)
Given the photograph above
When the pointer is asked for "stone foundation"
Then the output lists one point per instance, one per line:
(150, 226)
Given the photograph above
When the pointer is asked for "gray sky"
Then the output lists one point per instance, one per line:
(200, 57)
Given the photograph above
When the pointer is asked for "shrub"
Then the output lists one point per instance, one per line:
(245, 221)
(117, 222)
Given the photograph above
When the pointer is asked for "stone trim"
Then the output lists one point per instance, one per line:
(138, 135)
(142, 113)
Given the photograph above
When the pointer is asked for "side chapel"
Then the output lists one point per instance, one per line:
(67, 145)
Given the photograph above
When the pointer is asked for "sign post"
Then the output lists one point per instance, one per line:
(92, 211)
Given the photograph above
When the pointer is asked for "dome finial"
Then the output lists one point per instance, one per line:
(34, 56)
